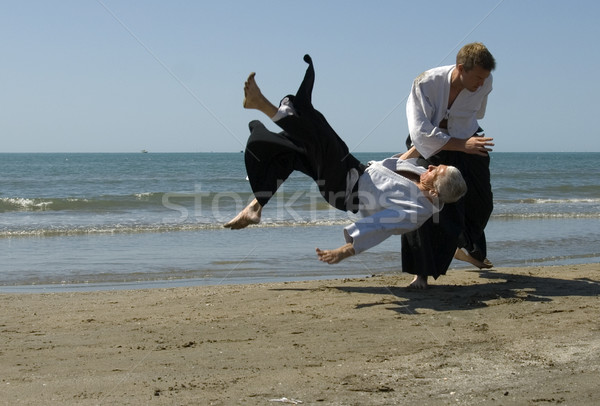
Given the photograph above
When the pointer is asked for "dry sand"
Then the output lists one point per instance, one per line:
(511, 336)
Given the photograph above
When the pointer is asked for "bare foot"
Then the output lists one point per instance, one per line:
(250, 215)
(419, 282)
(251, 92)
(336, 255)
(462, 255)
(254, 99)
(488, 264)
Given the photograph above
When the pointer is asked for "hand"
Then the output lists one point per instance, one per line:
(336, 255)
(478, 145)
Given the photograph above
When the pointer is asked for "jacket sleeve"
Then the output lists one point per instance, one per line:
(372, 230)
(425, 135)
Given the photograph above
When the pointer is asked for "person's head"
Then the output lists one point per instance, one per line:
(445, 182)
(475, 54)
(474, 63)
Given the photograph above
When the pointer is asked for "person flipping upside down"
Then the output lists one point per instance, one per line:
(392, 196)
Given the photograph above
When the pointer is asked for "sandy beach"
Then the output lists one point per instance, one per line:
(510, 336)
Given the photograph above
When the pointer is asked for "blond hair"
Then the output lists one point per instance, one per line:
(475, 54)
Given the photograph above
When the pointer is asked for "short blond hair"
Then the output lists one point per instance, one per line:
(475, 54)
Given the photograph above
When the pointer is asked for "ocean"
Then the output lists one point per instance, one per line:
(87, 221)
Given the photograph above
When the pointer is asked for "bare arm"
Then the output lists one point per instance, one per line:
(336, 255)
(411, 153)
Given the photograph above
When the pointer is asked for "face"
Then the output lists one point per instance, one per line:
(433, 172)
(473, 79)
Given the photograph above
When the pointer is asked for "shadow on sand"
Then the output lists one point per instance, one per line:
(500, 288)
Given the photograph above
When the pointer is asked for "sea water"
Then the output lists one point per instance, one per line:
(119, 221)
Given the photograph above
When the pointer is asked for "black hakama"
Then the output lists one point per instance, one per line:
(430, 249)
(308, 144)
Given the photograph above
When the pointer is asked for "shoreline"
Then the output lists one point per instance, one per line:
(228, 279)
(525, 335)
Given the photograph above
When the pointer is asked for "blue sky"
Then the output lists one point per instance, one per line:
(167, 76)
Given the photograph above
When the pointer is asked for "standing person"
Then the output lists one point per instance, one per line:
(393, 196)
(442, 112)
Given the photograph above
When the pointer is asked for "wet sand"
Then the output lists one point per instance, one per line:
(509, 336)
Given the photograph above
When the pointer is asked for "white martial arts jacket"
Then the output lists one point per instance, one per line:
(427, 106)
(389, 203)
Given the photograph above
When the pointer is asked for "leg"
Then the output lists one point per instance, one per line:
(478, 206)
(303, 98)
(270, 158)
(328, 158)
(428, 251)
(307, 144)
(249, 215)
(254, 99)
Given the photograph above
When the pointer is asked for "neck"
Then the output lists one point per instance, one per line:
(417, 180)
(426, 191)
(455, 83)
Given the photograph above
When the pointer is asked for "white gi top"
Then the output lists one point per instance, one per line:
(427, 106)
(389, 203)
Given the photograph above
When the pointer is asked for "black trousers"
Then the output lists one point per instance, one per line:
(307, 144)
(430, 249)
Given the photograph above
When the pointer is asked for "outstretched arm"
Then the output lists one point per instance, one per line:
(336, 255)
(411, 153)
